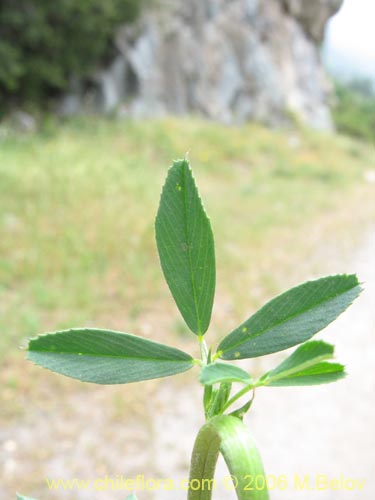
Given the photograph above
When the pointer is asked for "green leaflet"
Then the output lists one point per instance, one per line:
(133, 496)
(321, 373)
(223, 372)
(229, 436)
(304, 356)
(291, 318)
(106, 357)
(22, 497)
(186, 247)
(305, 366)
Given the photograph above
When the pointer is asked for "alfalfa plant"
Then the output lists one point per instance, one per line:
(187, 256)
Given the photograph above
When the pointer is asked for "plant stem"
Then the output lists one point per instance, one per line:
(229, 436)
(203, 348)
(237, 396)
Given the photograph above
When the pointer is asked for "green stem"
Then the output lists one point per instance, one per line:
(203, 348)
(229, 436)
(237, 396)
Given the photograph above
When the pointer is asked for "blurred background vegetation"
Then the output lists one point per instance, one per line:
(78, 196)
(43, 44)
(354, 108)
(46, 47)
(77, 240)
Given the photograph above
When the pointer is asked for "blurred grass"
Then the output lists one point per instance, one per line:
(77, 207)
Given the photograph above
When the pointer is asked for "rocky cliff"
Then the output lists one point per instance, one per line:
(228, 60)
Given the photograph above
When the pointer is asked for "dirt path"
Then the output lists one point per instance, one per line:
(149, 429)
(329, 429)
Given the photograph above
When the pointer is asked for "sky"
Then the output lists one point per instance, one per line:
(349, 46)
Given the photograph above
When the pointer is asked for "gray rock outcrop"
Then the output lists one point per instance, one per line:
(228, 60)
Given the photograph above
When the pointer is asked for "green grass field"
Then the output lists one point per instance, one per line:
(77, 207)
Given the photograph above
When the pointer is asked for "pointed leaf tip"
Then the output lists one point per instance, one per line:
(291, 318)
(307, 365)
(106, 357)
(186, 247)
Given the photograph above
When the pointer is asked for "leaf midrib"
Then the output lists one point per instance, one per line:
(188, 241)
(289, 318)
(299, 368)
(80, 354)
(310, 375)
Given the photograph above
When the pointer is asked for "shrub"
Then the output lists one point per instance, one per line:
(43, 44)
(354, 111)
